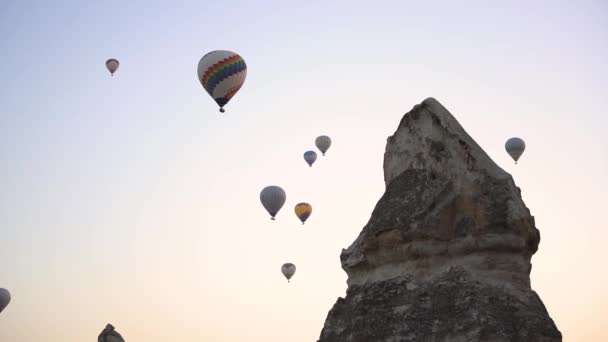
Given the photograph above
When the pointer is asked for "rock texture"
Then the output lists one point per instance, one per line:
(108, 334)
(446, 253)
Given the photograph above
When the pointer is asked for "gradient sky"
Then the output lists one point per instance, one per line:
(131, 200)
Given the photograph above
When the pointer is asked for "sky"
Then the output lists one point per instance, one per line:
(132, 200)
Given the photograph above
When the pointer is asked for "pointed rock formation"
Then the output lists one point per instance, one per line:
(446, 253)
(108, 334)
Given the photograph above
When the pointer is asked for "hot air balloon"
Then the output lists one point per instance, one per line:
(323, 143)
(288, 270)
(310, 157)
(222, 73)
(5, 298)
(303, 211)
(112, 65)
(273, 198)
(515, 147)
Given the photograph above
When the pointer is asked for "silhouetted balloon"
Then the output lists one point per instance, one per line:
(323, 143)
(273, 198)
(222, 73)
(288, 270)
(112, 65)
(5, 298)
(303, 211)
(515, 147)
(310, 157)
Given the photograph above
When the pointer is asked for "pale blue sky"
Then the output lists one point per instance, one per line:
(139, 179)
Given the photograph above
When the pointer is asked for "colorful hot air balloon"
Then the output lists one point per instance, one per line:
(515, 147)
(222, 74)
(273, 198)
(288, 270)
(303, 211)
(310, 157)
(323, 143)
(5, 298)
(112, 65)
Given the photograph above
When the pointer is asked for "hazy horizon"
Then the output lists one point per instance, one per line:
(131, 200)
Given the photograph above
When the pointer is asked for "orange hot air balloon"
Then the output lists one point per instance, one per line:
(303, 211)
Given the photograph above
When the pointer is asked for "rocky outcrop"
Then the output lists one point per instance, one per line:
(108, 334)
(446, 253)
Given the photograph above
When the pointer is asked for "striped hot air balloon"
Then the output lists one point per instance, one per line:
(222, 73)
(303, 211)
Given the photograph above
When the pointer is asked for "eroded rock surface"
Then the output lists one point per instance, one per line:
(446, 253)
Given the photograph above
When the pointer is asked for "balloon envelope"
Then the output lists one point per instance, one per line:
(273, 197)
(323, 143)
(112, 65)
(310, 157)
(222, 73)
(515, 147)
(303, 211)
(288, 270)
(5, 298)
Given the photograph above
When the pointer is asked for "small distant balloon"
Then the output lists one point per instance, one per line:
(273, 197)
(310, 157)
(288, 270)
(323, 143)
(112, 65)
(5, 298)
(222, 73)
(303, 211)
(515, 148)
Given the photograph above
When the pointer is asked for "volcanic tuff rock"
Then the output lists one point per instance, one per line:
(446, 253)
(109, 335)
